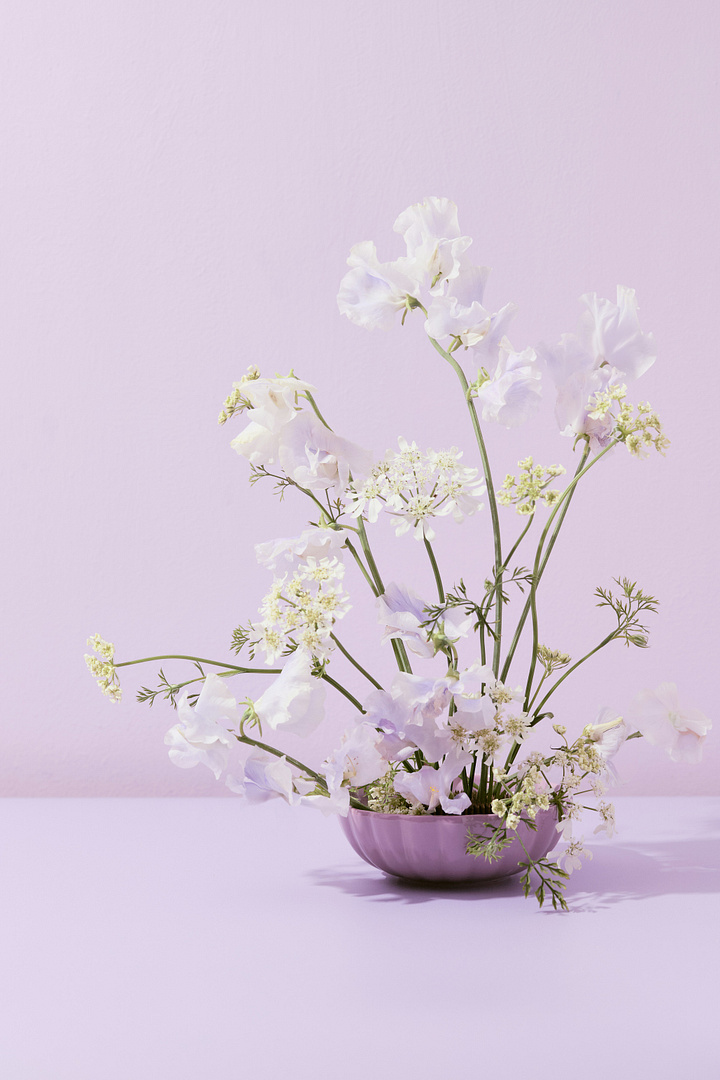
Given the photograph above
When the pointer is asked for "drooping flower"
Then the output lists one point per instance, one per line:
(608, 733)
(265, 776)
(201, 735)
(318, 459)
(664, 722)
(102, 666)
(286, 552)
(295, 701)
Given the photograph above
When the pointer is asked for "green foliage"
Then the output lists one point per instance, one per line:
(628, 607)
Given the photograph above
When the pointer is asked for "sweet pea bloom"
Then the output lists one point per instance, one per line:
(512, 394)
(286, 552)
(317, 459)
(430, 788)
(201, 735)
(265, 776)
(372, 293)
(609, 349)
(664, 722)
(295, 701)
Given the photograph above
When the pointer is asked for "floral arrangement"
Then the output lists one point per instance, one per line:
(451, 737)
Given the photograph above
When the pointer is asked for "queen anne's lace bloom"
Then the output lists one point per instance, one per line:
(301, 609)
(415, 487)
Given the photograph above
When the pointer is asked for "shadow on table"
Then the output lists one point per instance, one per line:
(617, 873)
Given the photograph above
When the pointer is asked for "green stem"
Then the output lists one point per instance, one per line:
(202, 660)
(355, 554)
(563, 677)
(491, 497)
(354, 662)
(343, 691)
(281, 753)
(401, 656)
(561, 505)
(436, 570)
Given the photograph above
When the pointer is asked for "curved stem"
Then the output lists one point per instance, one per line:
(354, 662)
(563, 677)
(343, 691)
(281, 753)
(436, 570)
(202, 660)
(491, 497)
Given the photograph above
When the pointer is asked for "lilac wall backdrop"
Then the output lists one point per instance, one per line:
(181, 185)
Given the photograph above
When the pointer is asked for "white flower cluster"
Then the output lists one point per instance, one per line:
(437, 276)
(415, 487)
(102, 666)
(301, 609)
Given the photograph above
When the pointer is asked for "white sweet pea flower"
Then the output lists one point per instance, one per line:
(664, 722)
(264, 777)
(258, 444)
(295, 701)
(459, 312)
(430, 788)
(432, 236)
(613, 336)
(201, 735)
(272, 402)
(286, 552)
(513, 392)
(358, 760)
(336, 801)
(318, 459)
(372, 293)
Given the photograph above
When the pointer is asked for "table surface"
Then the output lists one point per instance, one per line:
(199, 939)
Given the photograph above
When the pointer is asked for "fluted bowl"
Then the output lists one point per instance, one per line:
(429, 847)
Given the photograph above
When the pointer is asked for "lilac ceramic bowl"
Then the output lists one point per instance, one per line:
(429, 848)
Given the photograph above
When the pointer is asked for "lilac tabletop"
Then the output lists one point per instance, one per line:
(179, 939)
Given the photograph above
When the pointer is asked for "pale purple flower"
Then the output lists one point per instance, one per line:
(608, 349)
(401, 611)
(664, 722)
(513, 392)
(372, 293)
(265, 776)
(430, 788)
(318, 459)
